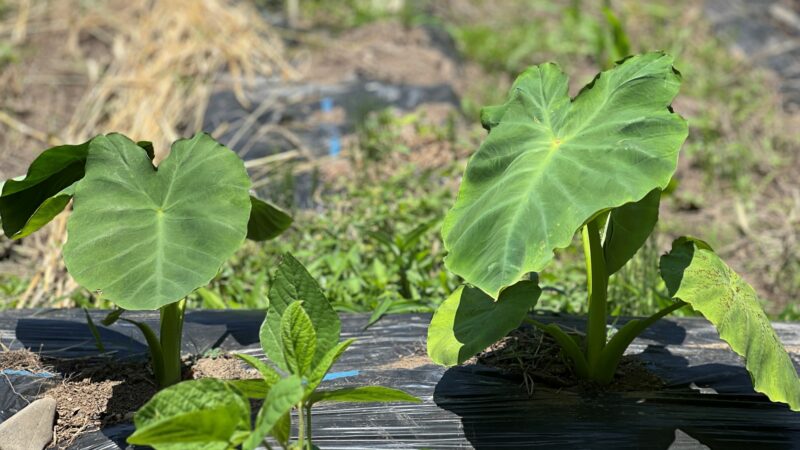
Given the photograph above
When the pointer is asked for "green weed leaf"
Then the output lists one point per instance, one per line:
(695, 274)
(628, 228)
(148, 237)
(298, 339)
(550, 163)
(293, 283)
(282, 397)
(325, 364)
(269, 374)
(364, 394)
(469, 321)
(204, 414)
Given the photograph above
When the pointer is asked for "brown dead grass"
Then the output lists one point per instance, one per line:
(145, 69)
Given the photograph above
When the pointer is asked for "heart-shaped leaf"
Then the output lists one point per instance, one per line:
(469, 320)
(549, 164)
(148, 237)
(696, 275)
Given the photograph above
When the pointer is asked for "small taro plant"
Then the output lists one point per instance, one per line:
(596, 164)
(141, 235)
(300, 336)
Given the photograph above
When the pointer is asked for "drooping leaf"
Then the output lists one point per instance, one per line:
(204, 414)
(148, 237)
(364, 394)
(29, 203)
(695, 274)
(549, 164)
(469, 320)
(267, 221)
(269, 374)
(282, 397)
(293, 283)
(298, 339)
(32, 201)
(628, 228)
(324, 365)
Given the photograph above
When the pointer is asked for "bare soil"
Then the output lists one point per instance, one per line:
(95, 393)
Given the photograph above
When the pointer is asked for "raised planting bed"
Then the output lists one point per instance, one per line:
(706, 398)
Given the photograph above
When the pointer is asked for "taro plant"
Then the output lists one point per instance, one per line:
(552, 166)
(143, 236)
(300, 336)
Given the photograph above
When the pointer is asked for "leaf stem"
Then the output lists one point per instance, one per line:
(171, 331)
(308, 425)
(622, 339)
(597, 286)
(567, 343)
(301, 426)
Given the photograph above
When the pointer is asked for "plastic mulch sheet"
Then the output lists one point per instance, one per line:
(708, 402)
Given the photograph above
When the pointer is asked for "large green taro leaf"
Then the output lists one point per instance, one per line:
(549, 164)
(469, 320)
(147, 237)
(696, 275)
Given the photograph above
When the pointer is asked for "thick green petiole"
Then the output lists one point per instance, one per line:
(171, 331)
(567, 343)
(597, 284)
(615, 348)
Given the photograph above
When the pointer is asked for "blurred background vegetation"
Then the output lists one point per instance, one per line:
(367, 220)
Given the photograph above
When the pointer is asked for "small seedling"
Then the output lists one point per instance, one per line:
(552, 166)
(143, 236)
(300, 336)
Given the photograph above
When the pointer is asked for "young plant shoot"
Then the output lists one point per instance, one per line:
(143, 236)
(552, 166)
(300, 336)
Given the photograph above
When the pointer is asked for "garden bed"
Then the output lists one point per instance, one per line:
(707, 398)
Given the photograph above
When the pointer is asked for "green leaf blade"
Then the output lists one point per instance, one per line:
(363, 394)
(469, 321)
(267, 221)
(280, 400)
(298, 338)
(293, 283)
(207, 414)
(549, 164)
(148, 238)
(695, 274)
(628, 228)
(28, 204)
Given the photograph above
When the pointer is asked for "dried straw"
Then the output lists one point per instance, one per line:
(165, 58)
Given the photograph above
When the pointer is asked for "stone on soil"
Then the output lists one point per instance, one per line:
(31, 428)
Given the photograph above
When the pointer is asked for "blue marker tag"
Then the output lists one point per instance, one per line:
(337, 375)
(27, 373)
